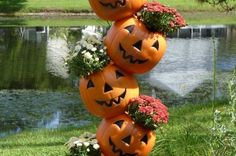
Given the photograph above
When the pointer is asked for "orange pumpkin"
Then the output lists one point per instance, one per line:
(120, 136)
(132, 47)
(107, 93)
(115, 9)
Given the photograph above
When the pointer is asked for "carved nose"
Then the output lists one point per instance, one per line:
(127, 140)
(107, 88)
(138, 45)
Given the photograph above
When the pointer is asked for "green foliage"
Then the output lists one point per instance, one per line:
(232, 96)
(223, 139)
(10, 6)
(187, 132)
(224, 5)
(151, 20)
(223, 132)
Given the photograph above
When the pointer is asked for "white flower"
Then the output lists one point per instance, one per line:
(87, 55)
(88, 150)
(96, 146)
(78, 143)
(77, 48)
(101, 50)
(89, 46)
(86, 144)
(87, 34)
(93, 39)
(217, 111)
(74, 55)
(97, 59)
(83, 52)
(94, 49)
(83, 43)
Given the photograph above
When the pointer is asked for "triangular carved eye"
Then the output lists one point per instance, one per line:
(156, 45)
(107, 88)
(127, 140)
(90, 84)
(138, 45)
(119, 74)
(130, 28)
(119, 123)
(145, 139)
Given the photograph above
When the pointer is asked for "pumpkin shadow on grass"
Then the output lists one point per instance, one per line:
(11, 6)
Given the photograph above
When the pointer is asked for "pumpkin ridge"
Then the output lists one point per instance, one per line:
(130, 57)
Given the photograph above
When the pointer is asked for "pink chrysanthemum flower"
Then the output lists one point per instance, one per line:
(148, 111)
(160, 18)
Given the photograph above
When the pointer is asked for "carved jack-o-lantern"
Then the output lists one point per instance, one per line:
(115, 9)
(119, 136)
(108, 92)
(132, 47)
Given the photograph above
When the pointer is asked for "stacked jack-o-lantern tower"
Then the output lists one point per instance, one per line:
(133, 49)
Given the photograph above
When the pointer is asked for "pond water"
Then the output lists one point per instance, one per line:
(35, 90)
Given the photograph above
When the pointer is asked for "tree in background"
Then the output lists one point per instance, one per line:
(224, 5)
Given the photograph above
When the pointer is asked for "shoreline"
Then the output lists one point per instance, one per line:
(92, 14)
(82, 18)
(49, 14)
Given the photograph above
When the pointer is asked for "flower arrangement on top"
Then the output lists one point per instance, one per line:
(88, 55)
(160, 18)
(148, 111)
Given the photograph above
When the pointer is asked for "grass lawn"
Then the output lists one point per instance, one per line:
(44, 5)
(186, 134)
(82, 5)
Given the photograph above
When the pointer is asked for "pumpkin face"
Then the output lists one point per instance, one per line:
(132, 47)
(107, 93)
(119, 136)
(115, 9)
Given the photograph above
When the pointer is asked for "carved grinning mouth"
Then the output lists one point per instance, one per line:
(118, 3)
(116, 150)
(112, 101)
(130, 57)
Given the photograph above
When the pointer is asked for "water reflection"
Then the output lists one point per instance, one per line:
(22, 60)
(185, 73)
(33, 74)
(57, 51)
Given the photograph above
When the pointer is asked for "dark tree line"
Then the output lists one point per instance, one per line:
(224, 5)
